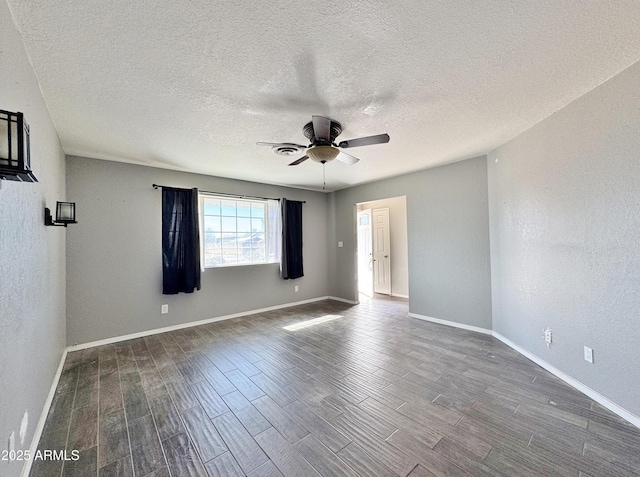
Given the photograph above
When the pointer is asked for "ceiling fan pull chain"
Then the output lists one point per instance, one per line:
(324, 180)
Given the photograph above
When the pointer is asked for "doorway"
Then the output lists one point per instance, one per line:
(365, 252)
(382, 255)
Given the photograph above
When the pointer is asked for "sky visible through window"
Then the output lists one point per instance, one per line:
(234, 231)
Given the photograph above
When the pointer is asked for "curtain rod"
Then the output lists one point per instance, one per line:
(155, 186)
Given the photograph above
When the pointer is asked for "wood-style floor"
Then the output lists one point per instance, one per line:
(370, 392)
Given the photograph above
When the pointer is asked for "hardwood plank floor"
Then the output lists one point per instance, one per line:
(370, 393)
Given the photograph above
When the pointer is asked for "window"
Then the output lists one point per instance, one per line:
(239, 231)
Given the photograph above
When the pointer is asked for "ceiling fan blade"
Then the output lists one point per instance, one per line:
(365, 141)
(298, 161)
(284, 144)
(346, 158)
(322, 128)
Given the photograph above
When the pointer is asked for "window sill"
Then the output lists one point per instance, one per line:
(231, 265)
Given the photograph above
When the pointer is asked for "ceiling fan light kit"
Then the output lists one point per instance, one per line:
(323, 154)
(322, 133)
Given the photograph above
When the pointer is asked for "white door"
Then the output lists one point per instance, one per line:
(381, 252)
(365, 257)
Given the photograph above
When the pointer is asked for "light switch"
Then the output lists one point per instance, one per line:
(588, 354)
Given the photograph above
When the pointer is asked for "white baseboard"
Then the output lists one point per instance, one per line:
(190, 324)
(26, 469)
(343, 300)
(597, 397)
(52, 391)
(600, 399)
(400, 295)
(484, 331)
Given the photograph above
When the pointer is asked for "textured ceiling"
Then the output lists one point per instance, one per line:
(193, 84)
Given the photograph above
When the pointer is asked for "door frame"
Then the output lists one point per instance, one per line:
(403, 264)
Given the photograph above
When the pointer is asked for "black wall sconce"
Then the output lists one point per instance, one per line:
(14, 148)
(65, 214)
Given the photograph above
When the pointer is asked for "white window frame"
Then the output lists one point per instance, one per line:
(271, 251)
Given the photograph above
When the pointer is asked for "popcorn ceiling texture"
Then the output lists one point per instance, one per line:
(193, 85)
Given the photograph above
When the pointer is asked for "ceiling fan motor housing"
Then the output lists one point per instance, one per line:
(335, 130)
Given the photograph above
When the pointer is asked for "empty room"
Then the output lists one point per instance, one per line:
(340, 239)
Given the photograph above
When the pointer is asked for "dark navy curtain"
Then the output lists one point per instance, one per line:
(180, 241)
(291, 239)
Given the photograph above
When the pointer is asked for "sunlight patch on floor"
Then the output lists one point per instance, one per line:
(315, 321)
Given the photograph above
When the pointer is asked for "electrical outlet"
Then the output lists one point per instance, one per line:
(340, 244)
(295, 288)
(547, 337)
(588, 354)
(164, 309)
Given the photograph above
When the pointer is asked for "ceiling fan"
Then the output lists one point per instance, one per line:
(322, 133)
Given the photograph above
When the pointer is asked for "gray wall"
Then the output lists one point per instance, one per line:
(448, 238)
(32, 256)
(565, 234)
(114, 266)
(399, 242)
